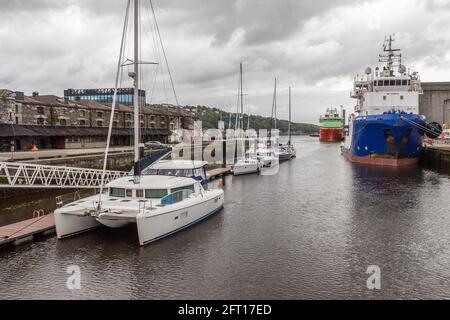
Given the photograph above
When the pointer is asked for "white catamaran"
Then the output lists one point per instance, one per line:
(162, 199)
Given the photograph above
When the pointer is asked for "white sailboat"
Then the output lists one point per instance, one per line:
(160, 200)
(287, 151)
(266, 153)
(249, 164)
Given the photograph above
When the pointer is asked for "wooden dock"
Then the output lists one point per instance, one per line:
(217, 173)
(25, 231)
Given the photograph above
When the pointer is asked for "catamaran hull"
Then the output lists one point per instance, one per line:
(114, 223)
(71, 224)
(153, 228)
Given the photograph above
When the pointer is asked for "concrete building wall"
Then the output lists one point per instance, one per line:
(435, 102)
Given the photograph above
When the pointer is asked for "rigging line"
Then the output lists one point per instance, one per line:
(237, 106)
(113, 107)
(155, 47)
(164, 52)
(158, 53)
(153, 84)
(141, 81)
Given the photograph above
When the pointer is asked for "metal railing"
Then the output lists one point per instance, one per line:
(26, 175)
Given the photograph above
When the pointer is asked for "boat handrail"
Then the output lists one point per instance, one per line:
(176, 197)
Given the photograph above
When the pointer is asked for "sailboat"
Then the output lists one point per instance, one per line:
(287, 151)
(160, 200)
(268, 154)
(249, 164)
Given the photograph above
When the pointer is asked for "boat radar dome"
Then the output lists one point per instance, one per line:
(402, 69)
(368, 70)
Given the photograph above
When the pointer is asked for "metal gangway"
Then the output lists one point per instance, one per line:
(27, 175)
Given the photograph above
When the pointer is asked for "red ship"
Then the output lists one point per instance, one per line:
(331, 126)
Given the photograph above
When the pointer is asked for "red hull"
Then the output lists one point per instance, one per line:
(331, 135)
(384, 162)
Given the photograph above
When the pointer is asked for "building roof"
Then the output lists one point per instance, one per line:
(435, 86)
(5, 93)
(15, 130)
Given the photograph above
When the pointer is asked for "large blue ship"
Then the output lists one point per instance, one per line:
(386, 128)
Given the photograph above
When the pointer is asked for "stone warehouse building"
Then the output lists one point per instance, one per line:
(435, 102)
(51, 122)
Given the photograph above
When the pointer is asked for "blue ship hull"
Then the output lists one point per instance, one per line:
(386, 139)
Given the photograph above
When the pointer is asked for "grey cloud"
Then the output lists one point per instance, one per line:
(316, 46)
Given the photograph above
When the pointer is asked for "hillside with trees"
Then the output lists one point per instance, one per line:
(211, 116)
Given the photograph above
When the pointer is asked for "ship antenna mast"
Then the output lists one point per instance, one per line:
(391, 57)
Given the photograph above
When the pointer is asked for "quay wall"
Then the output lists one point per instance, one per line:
(436, 158)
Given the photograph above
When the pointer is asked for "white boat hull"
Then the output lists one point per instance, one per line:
(113, 223)
(240, 169)
(71, 224)
(155, 227)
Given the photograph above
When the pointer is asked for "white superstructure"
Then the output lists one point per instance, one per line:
(379, 91)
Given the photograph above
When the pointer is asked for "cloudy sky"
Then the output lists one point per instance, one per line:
(315, 46)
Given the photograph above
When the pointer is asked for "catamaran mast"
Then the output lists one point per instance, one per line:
(137, 169)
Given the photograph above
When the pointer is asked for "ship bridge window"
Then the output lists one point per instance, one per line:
(404, 82)
(117, 192)
(392, 82)
(129, 193)
(398, 82)
(386, 82)
(155, 193)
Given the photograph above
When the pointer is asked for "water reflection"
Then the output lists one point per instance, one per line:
(310, 232)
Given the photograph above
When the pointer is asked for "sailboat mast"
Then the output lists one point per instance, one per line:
(289, 125)
(242, 99)
(273, 116)
(137, 169)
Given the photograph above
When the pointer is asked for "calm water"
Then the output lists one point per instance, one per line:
(309, 232)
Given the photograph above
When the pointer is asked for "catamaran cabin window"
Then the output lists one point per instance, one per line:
(139, 193)
(117, 192)
(191, 187)
(155, 193)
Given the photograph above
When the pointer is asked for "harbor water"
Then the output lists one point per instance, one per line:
(309, 232)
